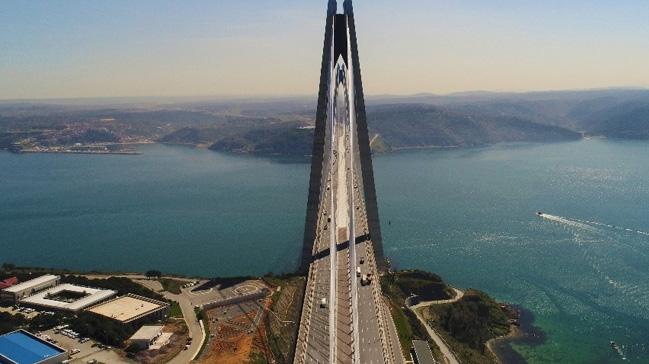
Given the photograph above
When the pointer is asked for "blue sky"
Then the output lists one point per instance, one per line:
(74, 48)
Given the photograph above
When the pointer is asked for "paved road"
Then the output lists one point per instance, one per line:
(195, 330)
(458, 295)
(449, 357)
(354, 326)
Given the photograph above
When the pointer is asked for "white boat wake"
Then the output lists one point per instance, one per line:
(566, 221)
(587, 224)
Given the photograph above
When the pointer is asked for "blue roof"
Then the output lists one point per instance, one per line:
(23, 348)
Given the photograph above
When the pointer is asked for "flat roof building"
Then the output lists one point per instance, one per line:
(25, 289)
(422, 353)
(21, 347)
(146, 336)
(130, 308)
(68, 297)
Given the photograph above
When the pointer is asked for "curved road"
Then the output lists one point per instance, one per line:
(195, 329)
(449, 357)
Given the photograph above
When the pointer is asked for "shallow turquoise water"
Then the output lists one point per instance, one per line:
(466, 214)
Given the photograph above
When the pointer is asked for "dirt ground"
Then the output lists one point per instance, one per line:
(282, 322)
(238, 333)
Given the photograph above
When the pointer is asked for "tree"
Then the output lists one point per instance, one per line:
(46, 321)
(153, 274)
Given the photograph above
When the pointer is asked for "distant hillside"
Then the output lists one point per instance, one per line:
(281, 140)
(611, 113)
(421, 125)
(276, 125)
(393, 126)
(629, 120)
(191, 136)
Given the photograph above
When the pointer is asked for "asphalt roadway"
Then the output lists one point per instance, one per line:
(196, 331)
(376, 332)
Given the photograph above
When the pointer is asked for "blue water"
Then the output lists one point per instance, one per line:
(177, 209)
(467, 214)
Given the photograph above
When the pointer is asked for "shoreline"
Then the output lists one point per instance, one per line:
(28, 151)
(393, 150)
(526, 333)
(499, 347)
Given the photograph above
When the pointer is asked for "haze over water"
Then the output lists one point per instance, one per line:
(467, 214)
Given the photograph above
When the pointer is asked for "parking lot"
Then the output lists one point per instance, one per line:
(87, 351)
(25, 311)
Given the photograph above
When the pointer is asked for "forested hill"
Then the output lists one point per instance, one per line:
(403, 126)
(422, 125)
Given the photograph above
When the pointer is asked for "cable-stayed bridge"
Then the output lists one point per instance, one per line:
(345, 318)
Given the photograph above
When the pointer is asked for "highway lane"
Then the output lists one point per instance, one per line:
(333, 230)
(354, 326)
(351, 181)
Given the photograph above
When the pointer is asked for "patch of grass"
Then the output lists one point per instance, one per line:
(427, 286)
(404, 329)
(257, 358)
(202, 316)
(175, 311)
(282, 323)
(207, 337)
(171, 285)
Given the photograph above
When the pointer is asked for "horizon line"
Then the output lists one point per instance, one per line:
(241, 97)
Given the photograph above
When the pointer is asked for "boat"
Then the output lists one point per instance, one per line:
(617, 349)
(539, 213)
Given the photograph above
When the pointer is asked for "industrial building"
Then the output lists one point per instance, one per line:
(146, 336)
(8, 282)
(131, 308)
(68, 297)
(21, 347)
(19, 291)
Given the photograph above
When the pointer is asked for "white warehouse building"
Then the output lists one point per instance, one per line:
(28, 288)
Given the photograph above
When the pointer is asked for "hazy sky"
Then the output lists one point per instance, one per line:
(81, 48)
